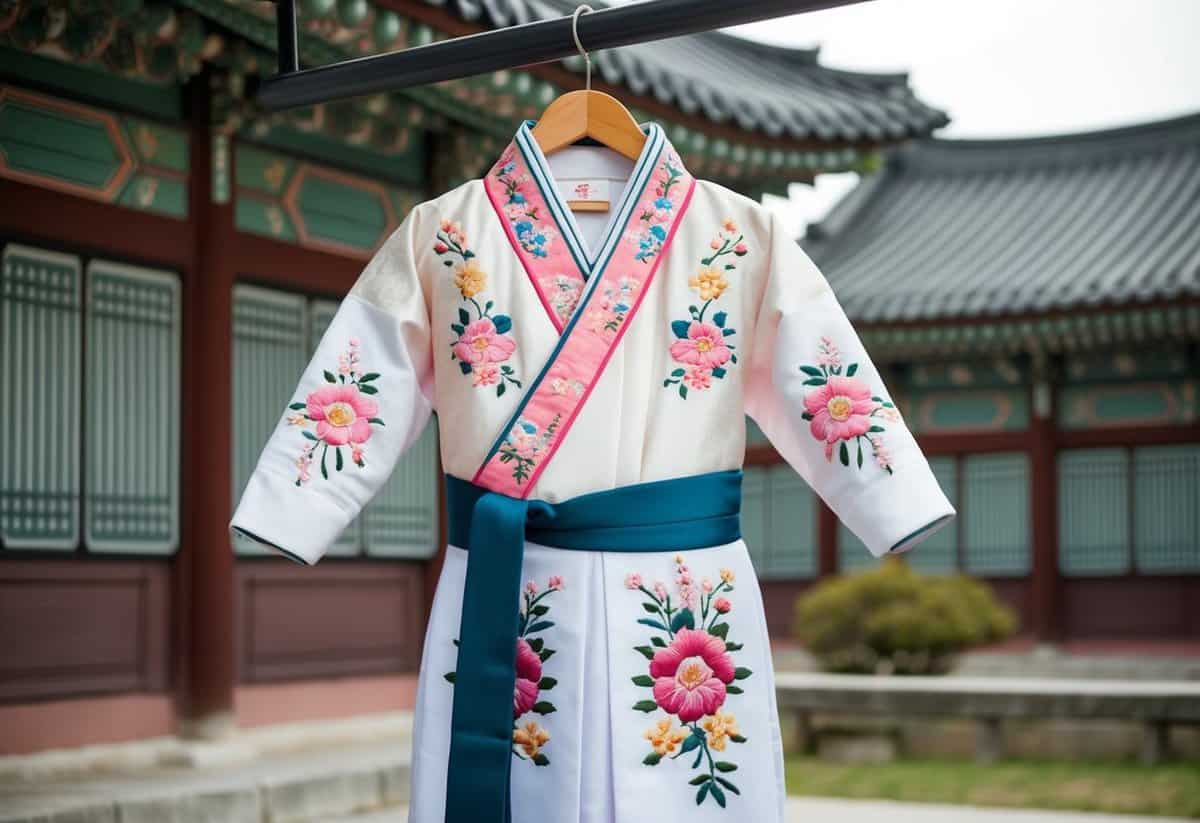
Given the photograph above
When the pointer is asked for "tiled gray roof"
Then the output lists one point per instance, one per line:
(968, 228)
(781, 92)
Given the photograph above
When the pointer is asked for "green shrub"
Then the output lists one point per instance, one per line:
(891, 619)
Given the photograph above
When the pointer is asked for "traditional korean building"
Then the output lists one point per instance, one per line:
(1035, 305)
(170, 257)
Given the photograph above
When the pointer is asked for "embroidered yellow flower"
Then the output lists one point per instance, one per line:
(470, 279)
(709, 282)
(720, 727)
(664, 738)
(727, 575)
(531, 737)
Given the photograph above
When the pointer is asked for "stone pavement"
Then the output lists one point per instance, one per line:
(821, 810)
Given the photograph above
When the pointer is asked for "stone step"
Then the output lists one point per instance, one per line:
(299, 787)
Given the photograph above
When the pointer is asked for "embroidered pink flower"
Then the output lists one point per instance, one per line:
(485, 374)
(481, 343)
(342, 414)
(828, 354)
(840, 410)
(555, 583)
(660, 589)
(704, 347)
(529, 673)
(740, 249)
(356, 454)
(698, 378)
(722, 605)
(690, 674)
(633, 580)
(531, 586)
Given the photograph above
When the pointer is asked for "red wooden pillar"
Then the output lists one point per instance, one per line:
(827, 541)
(206, 572)
(1045, 583)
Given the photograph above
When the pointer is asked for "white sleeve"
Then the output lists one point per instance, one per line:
(819, 399)
(363, 399)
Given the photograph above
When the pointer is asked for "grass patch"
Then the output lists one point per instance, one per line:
(1116, 788)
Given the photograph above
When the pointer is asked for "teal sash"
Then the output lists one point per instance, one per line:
(668, 515)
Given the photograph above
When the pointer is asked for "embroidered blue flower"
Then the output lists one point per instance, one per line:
(664, 204)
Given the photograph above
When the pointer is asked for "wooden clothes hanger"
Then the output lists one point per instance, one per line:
(587, 113)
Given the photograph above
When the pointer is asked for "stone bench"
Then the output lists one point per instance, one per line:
(1157, 705)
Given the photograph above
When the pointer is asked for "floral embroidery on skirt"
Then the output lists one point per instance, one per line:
(691, 674)
(529, 737)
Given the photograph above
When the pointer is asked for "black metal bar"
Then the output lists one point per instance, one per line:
(285, 28)
(541, 41)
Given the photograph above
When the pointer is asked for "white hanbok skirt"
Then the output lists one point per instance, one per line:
(624, 714)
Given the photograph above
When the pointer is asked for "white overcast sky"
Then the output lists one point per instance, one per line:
(1008, 68)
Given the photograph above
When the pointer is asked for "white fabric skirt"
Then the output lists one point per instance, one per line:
(624, 714)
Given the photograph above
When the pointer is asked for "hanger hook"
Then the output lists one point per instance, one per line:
(587, 59)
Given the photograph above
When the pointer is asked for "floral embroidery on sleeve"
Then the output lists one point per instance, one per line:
(702, 348)
(840, 408)
(343, 413)
(482, 343)
(528, 736)
(691, 673)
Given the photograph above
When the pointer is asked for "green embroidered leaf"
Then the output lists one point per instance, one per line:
(728, 332)
(447, 262)
(658, 641)
(457, 329)
(806, 416)
(680, 328)
(337, 454)
(732, 689)
(455, 642)
(650, 607)
(690, 743)
(368, 377)
(725, 766)
(645, 706)
(844, 454)
(540, 759)
(876, 429)
(858, 440)
(733, 647)
(368, 390)
(683, 619)
(376, 420)
(698, 779)
(667, 383)
(699, 757)
(468, 254)
(732, 357)
(683, 391)
(464, 367)
(643, 680)
(503, 323)
(324, 471)
(727, 784)
(541, 625)
(718, 372)
(741, 673)
(737, 738)
(814, 381)
(719, 319)
(539, 610)
(543, 707)
(646, 651)
(889, 405)
(652, 759)
(851, 369)
(449, 676)
(693, 311)
(703, 793)
(812, 370)
(488, 305)
(654, 624)
(544, 654)
(309, 435)
(298, 406)
(719, 629)
(501, 389)
(677, 373)
(547, 683)
(463, 317)
(536, 644)
(718, 794)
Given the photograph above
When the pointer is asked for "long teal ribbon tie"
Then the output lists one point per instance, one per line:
(667, 515)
